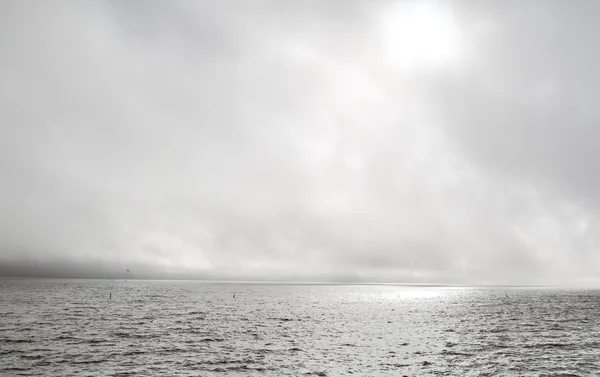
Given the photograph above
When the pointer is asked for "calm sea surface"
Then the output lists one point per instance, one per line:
(73, 327)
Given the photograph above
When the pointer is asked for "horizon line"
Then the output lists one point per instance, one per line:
(291, 282)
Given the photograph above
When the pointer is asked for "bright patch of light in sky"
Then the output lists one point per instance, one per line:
(417, 36)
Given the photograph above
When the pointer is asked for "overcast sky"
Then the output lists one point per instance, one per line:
(431, 141)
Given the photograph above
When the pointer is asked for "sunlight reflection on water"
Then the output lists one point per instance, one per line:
(414, 293)
(393, 293)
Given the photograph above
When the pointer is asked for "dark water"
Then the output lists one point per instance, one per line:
(72, 327)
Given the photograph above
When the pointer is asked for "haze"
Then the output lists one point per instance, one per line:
(439, 142)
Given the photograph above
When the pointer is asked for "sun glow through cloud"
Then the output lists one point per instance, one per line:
(419, 35)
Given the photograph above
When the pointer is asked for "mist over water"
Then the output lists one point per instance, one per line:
(118, 327)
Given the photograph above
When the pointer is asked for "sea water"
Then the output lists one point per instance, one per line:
(186, 328)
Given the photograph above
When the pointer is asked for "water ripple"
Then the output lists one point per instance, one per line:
(54, 327)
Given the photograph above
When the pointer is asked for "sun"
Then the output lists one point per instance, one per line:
(417, 35)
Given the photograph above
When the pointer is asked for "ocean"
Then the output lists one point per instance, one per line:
(186, 328)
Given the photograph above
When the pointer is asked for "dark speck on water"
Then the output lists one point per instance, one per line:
(156, 328)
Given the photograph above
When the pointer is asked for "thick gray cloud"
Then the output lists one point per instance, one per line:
(445, 142)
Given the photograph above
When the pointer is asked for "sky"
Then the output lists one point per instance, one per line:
(449, 142)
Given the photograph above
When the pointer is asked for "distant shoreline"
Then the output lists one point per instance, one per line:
(308, 283)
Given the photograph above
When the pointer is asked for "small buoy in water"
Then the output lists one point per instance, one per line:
(234, 295)
(110, 295)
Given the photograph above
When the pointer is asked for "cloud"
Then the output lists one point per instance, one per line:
(524, 102)
(263, 141)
